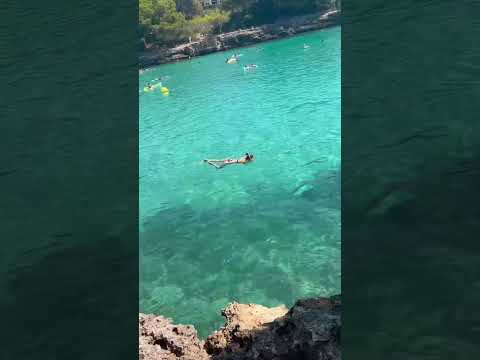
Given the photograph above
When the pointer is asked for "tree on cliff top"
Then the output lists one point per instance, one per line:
(166, 22)
(255, 12)
(212, 21)
(159, 20)
(190, 8)
(217, 18)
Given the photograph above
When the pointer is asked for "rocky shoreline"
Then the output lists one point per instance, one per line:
(240, 38)
(309, 330)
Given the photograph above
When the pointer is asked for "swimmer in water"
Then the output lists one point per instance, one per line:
(250, 67)
(150, 84)
(161, 78)
(219, 164)
(233, 58)
(305, 46)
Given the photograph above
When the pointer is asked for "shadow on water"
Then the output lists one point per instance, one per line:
(324, 188)
(274, 249)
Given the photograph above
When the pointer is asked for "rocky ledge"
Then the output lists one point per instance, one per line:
(310, 330)
(209, 44)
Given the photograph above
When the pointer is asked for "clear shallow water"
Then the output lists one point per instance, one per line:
(267, 232)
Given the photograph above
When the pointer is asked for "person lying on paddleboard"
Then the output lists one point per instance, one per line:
(224, 162)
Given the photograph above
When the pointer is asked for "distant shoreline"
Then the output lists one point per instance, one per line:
(239, 38)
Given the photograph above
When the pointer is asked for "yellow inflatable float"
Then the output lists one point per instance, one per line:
(164, 90)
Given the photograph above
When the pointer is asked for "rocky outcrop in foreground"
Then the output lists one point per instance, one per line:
(209, 44)
(161, 340)
(310, 330)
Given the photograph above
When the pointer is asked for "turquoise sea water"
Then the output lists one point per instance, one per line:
(266, 232)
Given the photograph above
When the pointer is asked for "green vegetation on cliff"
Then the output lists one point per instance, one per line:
(168, 22)
(246, 13)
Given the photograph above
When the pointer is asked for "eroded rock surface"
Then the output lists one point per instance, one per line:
(159, 339)
(243, 322)
(310, 330)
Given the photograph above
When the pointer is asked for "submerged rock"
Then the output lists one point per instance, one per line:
(310, 330)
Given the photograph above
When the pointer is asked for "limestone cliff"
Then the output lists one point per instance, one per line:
(209, 44)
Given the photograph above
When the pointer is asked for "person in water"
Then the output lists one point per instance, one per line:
(234, 57)
(224, 162)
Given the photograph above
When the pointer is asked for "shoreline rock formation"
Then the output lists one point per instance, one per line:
(159, 339)
(310, 330)
(209, 44)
